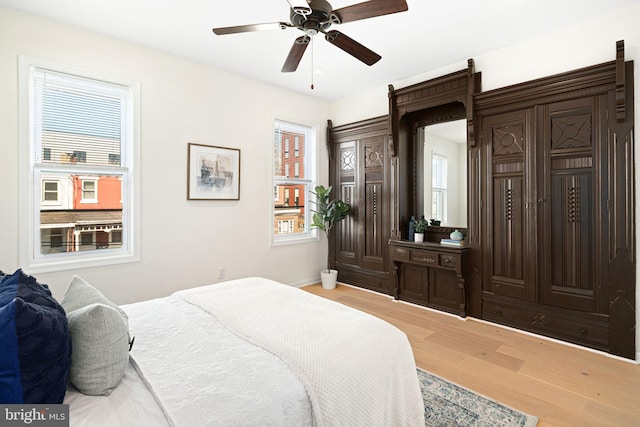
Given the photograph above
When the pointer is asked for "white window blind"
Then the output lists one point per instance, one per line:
(78, 120)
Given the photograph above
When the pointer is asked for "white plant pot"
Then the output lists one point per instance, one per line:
(418, 237)
(329, 278)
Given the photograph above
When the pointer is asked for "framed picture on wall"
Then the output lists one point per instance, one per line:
(213, 173)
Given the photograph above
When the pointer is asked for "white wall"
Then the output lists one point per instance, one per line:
(589, 43)
(183, 242)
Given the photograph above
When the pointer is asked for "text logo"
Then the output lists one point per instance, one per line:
(34, 415)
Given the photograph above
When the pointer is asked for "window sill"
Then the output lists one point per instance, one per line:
(294, 240)
(64, 262)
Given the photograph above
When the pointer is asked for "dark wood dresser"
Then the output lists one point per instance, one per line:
(429, 274)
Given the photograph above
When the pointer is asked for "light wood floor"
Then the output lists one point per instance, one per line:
(560, 384)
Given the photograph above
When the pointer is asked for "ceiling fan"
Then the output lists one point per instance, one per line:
(316, 16)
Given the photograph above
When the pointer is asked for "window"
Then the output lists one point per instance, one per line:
(55, 238)
(86, 239)
(50, 191)
(79, 157)
(291, 217)
(78, 143)
(439, 187)
(116, 237)
(89, 191)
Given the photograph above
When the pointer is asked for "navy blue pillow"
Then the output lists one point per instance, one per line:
(35, 344)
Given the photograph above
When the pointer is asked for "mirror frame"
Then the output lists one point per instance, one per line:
(428, 102)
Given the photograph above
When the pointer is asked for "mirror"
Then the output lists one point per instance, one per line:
(444, 151)
(439, 152)
(414, 112)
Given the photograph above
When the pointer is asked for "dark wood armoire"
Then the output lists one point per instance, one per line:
(360, 173)
(551, 210)
(557, 206)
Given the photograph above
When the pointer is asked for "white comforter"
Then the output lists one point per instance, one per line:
(201, 374)
(253, 352)
(357, 369)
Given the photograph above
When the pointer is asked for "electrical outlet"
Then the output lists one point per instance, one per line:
(221, 273)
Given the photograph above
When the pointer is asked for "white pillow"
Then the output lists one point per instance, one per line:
(100, 349)
(81, 294)
(99, 338)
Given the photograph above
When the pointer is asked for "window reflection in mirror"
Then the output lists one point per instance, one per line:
(445, 172)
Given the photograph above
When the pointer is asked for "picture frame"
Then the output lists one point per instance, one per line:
(213, 173)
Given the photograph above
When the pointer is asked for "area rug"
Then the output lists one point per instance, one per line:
(450, 405)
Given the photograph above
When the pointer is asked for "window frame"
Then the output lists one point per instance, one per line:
(94, 181)
(50, 202)
(311, 177)
(30, 181)
(439, 194)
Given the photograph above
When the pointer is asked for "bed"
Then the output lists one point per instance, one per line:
(254, 352)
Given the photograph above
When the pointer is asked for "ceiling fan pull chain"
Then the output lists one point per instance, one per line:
(312, 63)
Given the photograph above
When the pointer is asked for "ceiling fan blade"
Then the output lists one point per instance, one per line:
(352, 47)
(295, 54)
(370, 9)
(249, 28)
(301, 7)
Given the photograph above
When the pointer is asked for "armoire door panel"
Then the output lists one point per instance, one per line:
(572, 254)
(508, 237)
(374, 238)
(569, 211)
(373, 155)
(346, 241)
(374, 247)
(346, 230)
(571, 128)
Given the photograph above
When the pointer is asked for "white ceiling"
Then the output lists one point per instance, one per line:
(429, 35)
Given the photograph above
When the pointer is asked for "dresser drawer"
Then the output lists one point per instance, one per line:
(424, 257)
(449, 260)
(400, 254)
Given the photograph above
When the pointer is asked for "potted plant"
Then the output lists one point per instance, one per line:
(327, 214)
(420, 227)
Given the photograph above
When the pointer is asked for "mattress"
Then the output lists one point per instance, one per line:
(246, 353)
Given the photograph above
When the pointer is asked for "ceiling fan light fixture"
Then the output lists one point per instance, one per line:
(311, 27)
